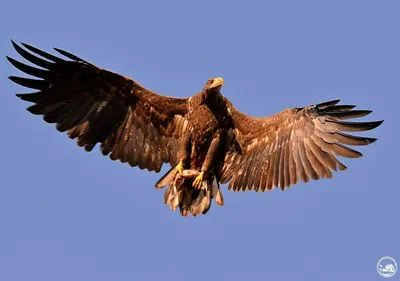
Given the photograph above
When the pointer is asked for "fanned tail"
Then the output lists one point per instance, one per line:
(190, 200)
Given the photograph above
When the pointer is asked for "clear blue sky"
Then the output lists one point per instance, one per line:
(70, 215)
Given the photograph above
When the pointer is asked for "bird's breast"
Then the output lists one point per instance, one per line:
(203, 124)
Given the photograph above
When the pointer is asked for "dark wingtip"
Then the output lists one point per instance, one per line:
(23, 97)
(42, 53)
(13, 62)
(15, 45)
(364, 112)
(371, 140)
(68, 55)
(29, 47)
(378, 123)
(328, 103)
(25, 45)
(373, 124)
(15, 79)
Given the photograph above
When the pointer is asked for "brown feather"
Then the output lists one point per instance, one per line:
(314, 137)
(95, 106)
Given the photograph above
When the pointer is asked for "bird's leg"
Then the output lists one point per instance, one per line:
(184, 153)
(210, 157)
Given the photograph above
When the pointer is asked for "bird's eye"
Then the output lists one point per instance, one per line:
(211, 81)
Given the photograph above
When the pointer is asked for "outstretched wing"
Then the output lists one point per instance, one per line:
(94, 105)
(298, 143)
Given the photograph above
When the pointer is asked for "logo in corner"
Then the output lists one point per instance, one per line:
(387, 267)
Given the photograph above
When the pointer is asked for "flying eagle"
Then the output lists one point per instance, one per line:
(205, 138)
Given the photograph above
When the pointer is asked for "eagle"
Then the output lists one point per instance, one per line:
(205, 139)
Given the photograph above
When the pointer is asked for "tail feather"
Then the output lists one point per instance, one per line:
(217, 194)
(190, 200)
(167, 178)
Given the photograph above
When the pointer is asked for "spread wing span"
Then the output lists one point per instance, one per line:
(131, 123)
(297, 143)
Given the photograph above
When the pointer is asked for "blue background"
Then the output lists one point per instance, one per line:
(70, 215)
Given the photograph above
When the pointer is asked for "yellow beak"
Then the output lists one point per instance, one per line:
(218, 82)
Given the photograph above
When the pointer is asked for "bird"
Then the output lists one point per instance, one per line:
(204, 138)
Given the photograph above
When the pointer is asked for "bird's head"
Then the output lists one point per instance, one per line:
(214, 85)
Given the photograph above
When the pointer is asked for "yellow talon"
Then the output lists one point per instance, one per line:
(198, 181)
(179, 168)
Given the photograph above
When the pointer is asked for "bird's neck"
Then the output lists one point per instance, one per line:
(212, 98)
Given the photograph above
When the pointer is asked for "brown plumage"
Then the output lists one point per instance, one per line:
(205, 138)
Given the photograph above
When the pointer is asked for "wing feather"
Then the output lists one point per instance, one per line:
(270, 171)
(42, 53)
(299, 143)
(32, 58)
(93, 105)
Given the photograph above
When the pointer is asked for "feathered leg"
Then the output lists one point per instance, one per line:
(199, 181)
